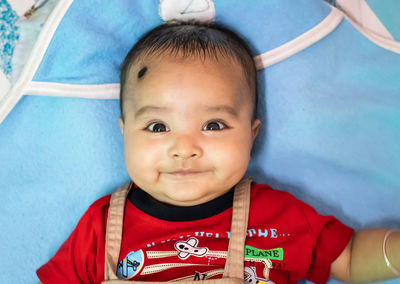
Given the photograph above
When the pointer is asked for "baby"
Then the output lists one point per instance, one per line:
(188, 117)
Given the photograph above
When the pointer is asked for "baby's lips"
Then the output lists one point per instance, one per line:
(185, 172)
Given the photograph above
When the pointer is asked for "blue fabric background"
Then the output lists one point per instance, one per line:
(330, 134)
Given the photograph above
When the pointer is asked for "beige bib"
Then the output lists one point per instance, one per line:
(234, 270)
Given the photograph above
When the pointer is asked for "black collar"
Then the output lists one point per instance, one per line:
(146, 203)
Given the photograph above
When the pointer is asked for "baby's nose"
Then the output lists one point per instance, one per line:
(185, 147)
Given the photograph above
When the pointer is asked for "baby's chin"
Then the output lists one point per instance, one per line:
(186, 194)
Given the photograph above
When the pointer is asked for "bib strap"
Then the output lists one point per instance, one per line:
(240, 214)
(114, 231)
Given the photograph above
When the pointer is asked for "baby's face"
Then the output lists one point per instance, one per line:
(188, 128)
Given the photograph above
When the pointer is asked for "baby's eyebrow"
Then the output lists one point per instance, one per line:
(223, 108)
(146, 109)
(210, 109)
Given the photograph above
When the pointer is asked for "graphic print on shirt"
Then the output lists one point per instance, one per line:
(250, 277)
(188, 248)
(130, 265)
(256, 253)
(181, 259)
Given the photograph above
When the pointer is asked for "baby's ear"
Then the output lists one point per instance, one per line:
(121, 124)
(255, 128)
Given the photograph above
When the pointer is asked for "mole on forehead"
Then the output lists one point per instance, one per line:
(142, 72)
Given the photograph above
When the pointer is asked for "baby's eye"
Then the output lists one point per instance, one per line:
(214, 125)
(157, 127)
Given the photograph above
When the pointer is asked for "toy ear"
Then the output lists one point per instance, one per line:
(186, 10)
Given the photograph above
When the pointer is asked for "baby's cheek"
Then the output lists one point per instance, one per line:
(233, 160)
(242, 159)
(132, 157)
(144, 161)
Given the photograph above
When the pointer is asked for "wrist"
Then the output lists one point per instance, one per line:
(391, 251)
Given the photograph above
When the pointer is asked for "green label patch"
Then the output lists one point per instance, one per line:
(252, 252)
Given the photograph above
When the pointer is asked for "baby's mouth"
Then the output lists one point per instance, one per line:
(185, 172)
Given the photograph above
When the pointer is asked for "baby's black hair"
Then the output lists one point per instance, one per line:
(191, 39)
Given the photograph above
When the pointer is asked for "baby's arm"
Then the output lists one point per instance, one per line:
(363, 259)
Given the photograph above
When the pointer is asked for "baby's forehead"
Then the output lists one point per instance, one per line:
(150, 70)
(156, 65)
(147, 71)
(155, 62)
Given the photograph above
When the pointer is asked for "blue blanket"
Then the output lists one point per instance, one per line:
(329, 105)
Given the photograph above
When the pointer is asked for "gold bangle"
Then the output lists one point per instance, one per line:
(388, 264)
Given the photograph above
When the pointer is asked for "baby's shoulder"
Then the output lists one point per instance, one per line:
(99, 208)
(264, 196)
(264, 191)
(103, 201)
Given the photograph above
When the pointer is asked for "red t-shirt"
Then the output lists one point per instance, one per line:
(287, 240)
